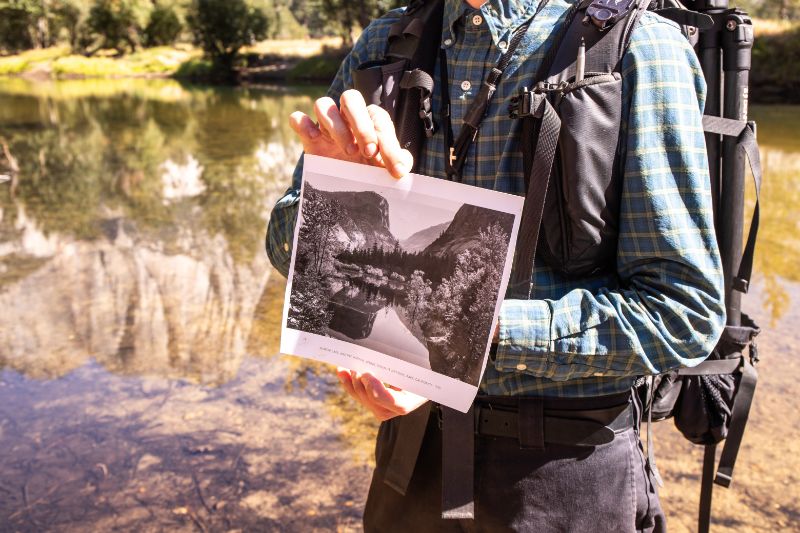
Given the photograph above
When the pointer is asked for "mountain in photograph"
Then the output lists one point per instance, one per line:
(464, 231)
(423, 238)
(365, 218)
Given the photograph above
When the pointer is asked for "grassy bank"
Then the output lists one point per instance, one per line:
(309, 59)
(775, 75)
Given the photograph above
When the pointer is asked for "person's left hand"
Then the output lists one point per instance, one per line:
(384, 401)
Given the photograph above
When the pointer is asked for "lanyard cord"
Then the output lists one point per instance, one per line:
(456, 154)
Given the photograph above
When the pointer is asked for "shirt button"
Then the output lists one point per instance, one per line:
(286, 247)
(477, 20)
(466, 85)
(503, 45)
(448, 42)
(522, 366)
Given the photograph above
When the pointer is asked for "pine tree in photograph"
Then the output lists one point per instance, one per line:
(418, 292)
(318, 232)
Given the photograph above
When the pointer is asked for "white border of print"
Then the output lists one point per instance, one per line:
(437, 387)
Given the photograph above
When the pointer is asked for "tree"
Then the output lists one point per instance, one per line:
(419, 289)
(318, 232)
(118, 23)
(222, 27)
(163, 27)
(464, 303)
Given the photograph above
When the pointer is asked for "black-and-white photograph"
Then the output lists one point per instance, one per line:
(409, 275)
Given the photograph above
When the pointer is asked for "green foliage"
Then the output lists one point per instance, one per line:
(18, 24)
(117, 23)
(321, 67)
(773, 9)
(775, 75)
(284, 25)
(222, 27)
(164, 26)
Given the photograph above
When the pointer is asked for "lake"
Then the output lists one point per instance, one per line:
(140, 382)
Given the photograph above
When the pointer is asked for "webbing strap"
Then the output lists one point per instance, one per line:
(739, 416)
(651, 445)
(410, 432)
(686, 17)
(533, 209)
(458, 463)
(712, 367)
(417, 78)
(746, 142)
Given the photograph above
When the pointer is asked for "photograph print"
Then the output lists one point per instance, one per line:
(408, 275)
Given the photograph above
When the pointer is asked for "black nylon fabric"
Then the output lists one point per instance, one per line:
(702, 405)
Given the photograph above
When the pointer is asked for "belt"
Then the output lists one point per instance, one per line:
(534, 422)
(571, 428)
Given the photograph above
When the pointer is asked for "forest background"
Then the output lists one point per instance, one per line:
(265, 40)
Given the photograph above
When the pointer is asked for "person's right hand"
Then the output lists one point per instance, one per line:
(353, 132)
(382, 400)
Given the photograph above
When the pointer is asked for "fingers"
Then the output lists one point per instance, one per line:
(372, 394)
(303, 126)
(331, 121)
(355, 388)
(354, 110)
(397, 160)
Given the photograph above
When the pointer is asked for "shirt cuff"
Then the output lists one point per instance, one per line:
(524, 337)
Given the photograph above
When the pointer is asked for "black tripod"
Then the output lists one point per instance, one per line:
(724, 50)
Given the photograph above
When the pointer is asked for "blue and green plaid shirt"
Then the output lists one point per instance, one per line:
(663, 307)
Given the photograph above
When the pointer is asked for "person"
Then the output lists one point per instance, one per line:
(577, 346)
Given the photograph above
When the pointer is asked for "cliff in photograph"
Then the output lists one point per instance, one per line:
(463, 232)
(364, 220)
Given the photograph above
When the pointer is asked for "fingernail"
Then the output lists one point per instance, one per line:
(313, 133)
(400, 170)
(352, 149)
(370, 149)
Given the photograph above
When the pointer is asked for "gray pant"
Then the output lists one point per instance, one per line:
(561, 488)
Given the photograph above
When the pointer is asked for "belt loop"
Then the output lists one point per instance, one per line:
(531, 423)
(458, 463)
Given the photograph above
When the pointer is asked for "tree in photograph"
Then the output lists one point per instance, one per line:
(463, 305)
(318, 232)
(418, 292)
(222, 27)
(308, 304)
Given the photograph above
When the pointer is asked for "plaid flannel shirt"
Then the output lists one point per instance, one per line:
(664, 306)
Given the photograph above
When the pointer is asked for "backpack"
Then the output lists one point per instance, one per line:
(710, 402)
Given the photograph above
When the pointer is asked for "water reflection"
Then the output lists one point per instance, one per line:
(138, 379)
(778, 251)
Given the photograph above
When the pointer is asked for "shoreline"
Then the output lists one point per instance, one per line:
(774, 78)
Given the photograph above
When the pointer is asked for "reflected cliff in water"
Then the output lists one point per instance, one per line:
(132, 229)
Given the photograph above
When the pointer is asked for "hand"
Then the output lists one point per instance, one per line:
(355, 132)
(383, 401)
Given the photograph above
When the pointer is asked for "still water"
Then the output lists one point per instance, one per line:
(370, 315)
(140, 385)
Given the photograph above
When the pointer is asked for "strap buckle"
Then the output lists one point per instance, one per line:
(605, 13)
(426, 116)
